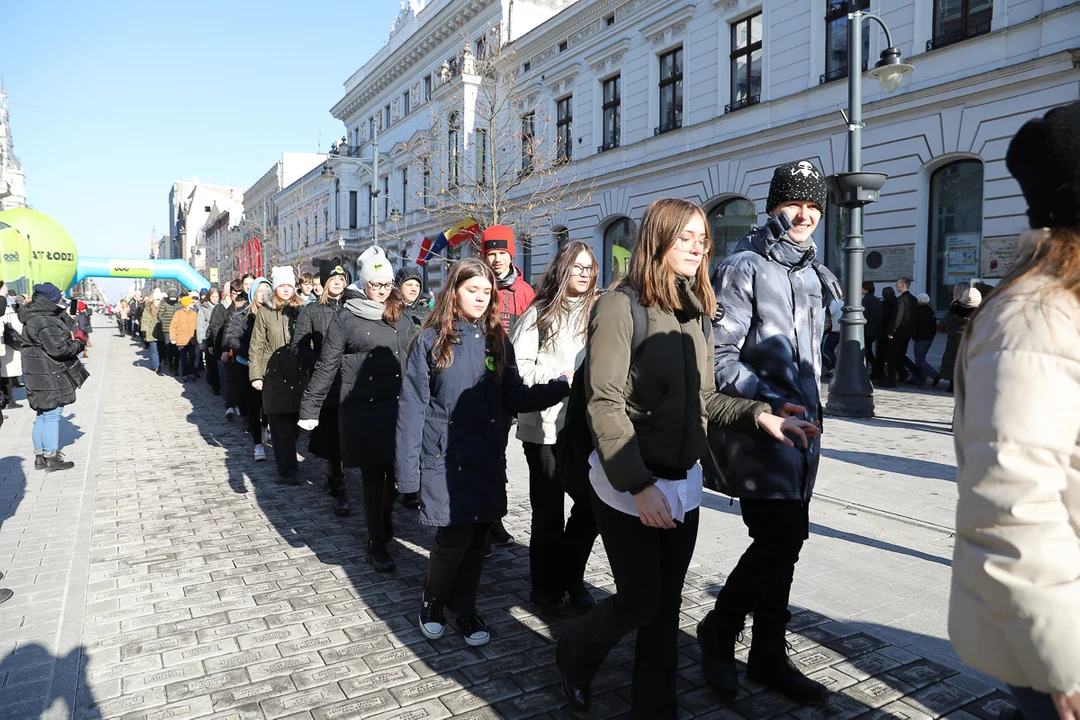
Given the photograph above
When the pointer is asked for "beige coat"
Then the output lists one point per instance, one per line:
(1014, 612)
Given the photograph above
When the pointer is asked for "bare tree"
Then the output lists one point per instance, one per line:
(494, 152)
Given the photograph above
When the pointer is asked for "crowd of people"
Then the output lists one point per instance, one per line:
(630, 401)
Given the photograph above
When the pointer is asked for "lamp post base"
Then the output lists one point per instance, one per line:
(851, 393)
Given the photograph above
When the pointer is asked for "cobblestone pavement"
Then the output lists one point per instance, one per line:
(167, 576)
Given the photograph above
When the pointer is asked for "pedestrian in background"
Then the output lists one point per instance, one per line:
(274, 371)
(182, 334)
(966, 300)
(152, 332)
(51, 370)
(410, 283)
(872, 312)
(888, 316)
(207, 306)
(1014, 609)
(308, 340)
(306, 288)
(11, 328)
(648, 407)
(900, 332)
(214, 333)
(549, 342)
(170, 305)
(82, 323)
(767, 346)
(237, 338)
(362, 354)
(925, 332)
(460, 392)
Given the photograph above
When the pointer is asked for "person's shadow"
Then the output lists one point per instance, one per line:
(33, 679)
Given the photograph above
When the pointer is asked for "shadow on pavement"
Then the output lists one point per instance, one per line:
(33, 680)
(889, 463)
(12, 485)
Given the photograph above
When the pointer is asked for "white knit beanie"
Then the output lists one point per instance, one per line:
(282, 275)
(374, 265)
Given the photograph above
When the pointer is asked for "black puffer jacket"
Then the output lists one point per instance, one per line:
(216, 327)
(308, 338)
(366, 357)
(50, 358)
(419, 309)
(239, 323)
(953, 325)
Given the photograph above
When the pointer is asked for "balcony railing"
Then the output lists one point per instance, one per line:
(957, 35)
(744, 103)
(667, 127)
(607, 146)
(838, 73)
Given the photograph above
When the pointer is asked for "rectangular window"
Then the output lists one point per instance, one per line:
(956, 20)
(525, 243)
(453, 151)
(427, 182)
(427, 88)
(836, 38)
(564, 128)
(745, 63)
(404, 189)
(371, 194)
(612, 113)
(405, 108)
(386, 116)
(371, 127)
(563, 46)
(671, 91)
(481, 49)
(528, 141)
(352, 209)
(481, 156)
(385, 192)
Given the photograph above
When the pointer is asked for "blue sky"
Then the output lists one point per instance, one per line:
(111, 102)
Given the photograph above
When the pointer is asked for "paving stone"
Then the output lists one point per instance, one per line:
(359, 707)
(361, 685)
(284, 666)
(183, 710)
(306, 700)
(205, 685)
(480, 696)
(241, 659)
(425, 689)
(252, 693)
(939, 699)
(163, 676)
(879, 691)
(116, 707)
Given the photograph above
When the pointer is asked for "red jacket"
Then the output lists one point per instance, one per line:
(515, 295)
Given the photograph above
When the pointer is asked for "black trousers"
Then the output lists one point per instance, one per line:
(235, 395)
(212, 377)
(283, 432)
(252, 410)
(649, 566)
(881, 356)
(761, 582)
(380, 490)
(898, 346)
(559, 548)
(457, 559)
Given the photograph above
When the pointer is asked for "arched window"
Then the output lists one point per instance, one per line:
(562, 236)
(728, 222)
(452, 154)
(618, 244)
(956, 209)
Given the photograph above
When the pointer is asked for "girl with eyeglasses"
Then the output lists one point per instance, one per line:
(549, 341)
(363, 349)
(461, 391)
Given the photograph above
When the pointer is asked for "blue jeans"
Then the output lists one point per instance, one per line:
(922, 347)
(47, 431)
(155, 355)
(187, 360)
(1034, 704)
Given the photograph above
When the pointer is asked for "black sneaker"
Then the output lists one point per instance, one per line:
(39, 462)
(379, 557)
(718, 660)
(56, 462)
(432, 620)
(474, 630)
(580, 599)
(340, 505)
(548, 606)
(499, 536)
(287, 480)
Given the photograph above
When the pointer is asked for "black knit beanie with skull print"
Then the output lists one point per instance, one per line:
(797, 181)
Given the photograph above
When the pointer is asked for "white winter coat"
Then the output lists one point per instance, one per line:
(1014, 612)
(11, 359)
(564, 353)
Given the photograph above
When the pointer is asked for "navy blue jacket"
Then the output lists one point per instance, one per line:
(452, 428)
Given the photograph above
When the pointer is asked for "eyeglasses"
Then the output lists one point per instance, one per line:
(686, 244)
(380, 286)
(582, 270)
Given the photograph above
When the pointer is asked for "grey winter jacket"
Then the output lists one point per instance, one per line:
(202, 321)
(767, 346)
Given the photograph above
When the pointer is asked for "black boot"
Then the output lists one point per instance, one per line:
(379, 557)
(39, 462)
(56, 461)
(770, 666)
(340, 504)
(717, 640)
(578, 697)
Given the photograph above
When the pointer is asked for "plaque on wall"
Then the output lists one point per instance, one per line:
(998, 255)
(886, 263)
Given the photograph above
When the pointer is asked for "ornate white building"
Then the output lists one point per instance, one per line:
(12, 180)
(191, 204)
(703, 98)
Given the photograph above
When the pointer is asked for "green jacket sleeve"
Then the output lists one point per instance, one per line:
(611, 331)
(258, 351)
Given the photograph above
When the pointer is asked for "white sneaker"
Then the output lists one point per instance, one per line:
(230, 413)
(260, 454)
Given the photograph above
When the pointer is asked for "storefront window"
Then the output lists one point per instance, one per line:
(728, 222)
(956, 207)
(618, 244)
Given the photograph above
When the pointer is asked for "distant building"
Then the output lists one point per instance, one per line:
(12, 180)
(190, 205)
(268, 233)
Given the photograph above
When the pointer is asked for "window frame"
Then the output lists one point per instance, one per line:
(354, 209)
(386, 116)
(528, 141)
(427, 183)
(480, 141)
(564, 129)
(835, 11)
(404, 189)
(453, 150)
(934, 275)
(965, 31)
(614, 106)
(748, 52)
(427, 88)
(385, 192)
(406, 106)
(675, 82)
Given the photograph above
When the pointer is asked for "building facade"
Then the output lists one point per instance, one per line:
(12, 179)
(191, 203)
(702, 99)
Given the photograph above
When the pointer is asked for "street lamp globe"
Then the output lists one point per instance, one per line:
(890, 69)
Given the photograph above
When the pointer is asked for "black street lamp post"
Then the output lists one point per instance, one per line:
(850, 393)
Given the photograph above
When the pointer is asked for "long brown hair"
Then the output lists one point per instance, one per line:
(552, 301)
(394, 305)
(650, 276)
(446, 313)
(1056, 255)
(273, 302)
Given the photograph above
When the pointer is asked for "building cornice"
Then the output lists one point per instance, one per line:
(431, 35)
(674, 21)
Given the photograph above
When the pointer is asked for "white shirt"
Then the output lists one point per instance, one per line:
(682, 495)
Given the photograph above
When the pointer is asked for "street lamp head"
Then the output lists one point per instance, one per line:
(327, 172)
(890, 69)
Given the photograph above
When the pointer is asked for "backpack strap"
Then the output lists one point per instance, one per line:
(640, 317)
